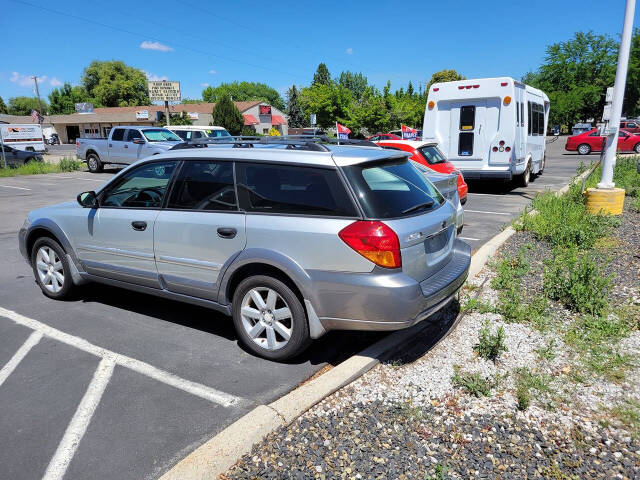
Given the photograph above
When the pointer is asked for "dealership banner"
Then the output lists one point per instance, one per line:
(409, 133)
(343, 132)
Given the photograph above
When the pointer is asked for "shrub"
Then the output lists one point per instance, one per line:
(510, 269)
(526, 380)
(473, 383)
(490, 345)
(522, 397)
(576, 280)
(625, 175)
(68, 164)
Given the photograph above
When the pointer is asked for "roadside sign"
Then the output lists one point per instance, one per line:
(84, 107)
(164, 91)
(313, 118)
(609, 97)
(264, 109)
(142, 115)
(193, 115)
(606, 114)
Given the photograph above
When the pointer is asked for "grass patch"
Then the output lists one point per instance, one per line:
(526, 380)
(577, 281)
(474, 383)
(67, 164)
(548, 351)
(490, 345)
(625, 175)
(510, 269)
(635, 205)
(628, 414)
(564, 220)
(477, 305)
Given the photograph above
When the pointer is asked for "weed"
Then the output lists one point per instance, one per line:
(554, 472)
(68, 164)
(514, 309)
(474, 383)
(490, 345)
(477, 305)
(526, 380)
(635, 204)
(35, 168)
(439, 474)
(575, 279)
(628, 413)
(625, 175)
(510, 269)
(547, 352)
(523, 397)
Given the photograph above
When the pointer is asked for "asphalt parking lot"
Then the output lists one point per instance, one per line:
(116, 384)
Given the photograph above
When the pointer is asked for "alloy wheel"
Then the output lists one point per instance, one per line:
(92, 164)
(50, 269)
(266, 318)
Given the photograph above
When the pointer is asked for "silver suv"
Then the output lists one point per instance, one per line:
(291, 240)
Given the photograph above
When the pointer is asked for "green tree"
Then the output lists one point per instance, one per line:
(322, 76)
(62, 100)
(330, 102)
(243, 91)
(115, 84)
(182, 118)
(192, 100)
(575, 75)
(3, 107)
(370, 114)
(24, 105)
(444, 76)
(297, 118)
(356, 83)
(632, 92)
(225, 114)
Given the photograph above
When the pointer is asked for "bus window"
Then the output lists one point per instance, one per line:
(517, 114)
(465, 144)
(522, 114)
(540, 120)
(530, 118)
(467, 117)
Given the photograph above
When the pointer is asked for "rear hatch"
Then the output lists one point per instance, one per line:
(395, 192)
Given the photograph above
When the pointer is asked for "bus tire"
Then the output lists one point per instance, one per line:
(542, 165)
(584, 149)
(523, 179)
(94, 164)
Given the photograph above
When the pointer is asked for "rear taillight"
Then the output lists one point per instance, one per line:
(374, 241)
(495, 149)
(77, 143)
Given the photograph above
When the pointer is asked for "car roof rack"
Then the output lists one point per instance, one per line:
(316, 143)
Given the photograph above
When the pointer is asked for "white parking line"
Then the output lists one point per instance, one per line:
(11, 365)
(491, 213)
(17, 188)
(197, 389)
(80, 421)
(469, 238)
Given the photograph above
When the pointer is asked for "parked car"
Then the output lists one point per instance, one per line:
(631, 126)
(320, 237)
(383, 136)
(579, 128)
(125, 145)
(192, 132)
(16, 158)
(591, 141)
(428, 154)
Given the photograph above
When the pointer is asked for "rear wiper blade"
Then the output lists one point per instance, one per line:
(420, 206)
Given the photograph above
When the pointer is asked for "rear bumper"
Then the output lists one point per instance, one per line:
(383, 300)
(487, 174)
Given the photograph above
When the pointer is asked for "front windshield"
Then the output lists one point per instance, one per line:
(161, 135)
(217, 133)
(431, 154)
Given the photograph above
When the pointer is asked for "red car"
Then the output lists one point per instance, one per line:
(631, 126)
(383, 136)
(427, 154)
(591, 141)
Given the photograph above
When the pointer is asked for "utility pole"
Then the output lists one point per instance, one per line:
(618, 96)
(35, 79)
(167, 115)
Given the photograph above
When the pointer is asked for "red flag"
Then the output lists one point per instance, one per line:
(409, 133)
(343, 132)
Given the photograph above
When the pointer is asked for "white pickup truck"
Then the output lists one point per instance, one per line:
(125, 145)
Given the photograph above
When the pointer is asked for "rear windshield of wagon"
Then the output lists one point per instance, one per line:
(392, 189)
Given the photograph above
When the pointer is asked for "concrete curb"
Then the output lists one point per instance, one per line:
(217, 455)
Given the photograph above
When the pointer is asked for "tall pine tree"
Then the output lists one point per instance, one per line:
(225, 114)
(297, 119)
(321, 77)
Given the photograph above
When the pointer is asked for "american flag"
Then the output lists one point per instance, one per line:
(34, 115)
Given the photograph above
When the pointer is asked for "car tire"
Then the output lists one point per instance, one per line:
(256, 321)
(51, 268)
(584, 149)
(542, 165)
(94, 164)
(637, 148)
(523, 179)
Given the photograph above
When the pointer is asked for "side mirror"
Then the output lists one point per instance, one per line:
(88, 199)
(139, 141)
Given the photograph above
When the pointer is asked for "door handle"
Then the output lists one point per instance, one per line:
(126, 146)
(111, 144)
(139, 225)
(227, 232)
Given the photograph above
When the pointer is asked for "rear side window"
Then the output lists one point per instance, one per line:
(118, 135)
(467, 117)
(530, 118)
(392, 189)
(540, 120)
(269, 188)
(465, 144)
(182, 134)
(432, 155)
(522, 114)
(204, 185)
(517, 113)
(133, 134)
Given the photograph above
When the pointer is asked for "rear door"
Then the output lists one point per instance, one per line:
(200, 230)
(467, 127)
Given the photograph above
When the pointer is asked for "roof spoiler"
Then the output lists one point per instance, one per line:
(317, 143)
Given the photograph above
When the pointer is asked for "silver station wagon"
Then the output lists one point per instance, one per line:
(292, 238)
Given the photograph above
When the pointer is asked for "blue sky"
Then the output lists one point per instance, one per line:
(281, 43)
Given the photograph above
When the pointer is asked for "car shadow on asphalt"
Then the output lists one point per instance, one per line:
(332, 348)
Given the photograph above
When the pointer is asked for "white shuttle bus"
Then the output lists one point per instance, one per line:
(25, 136)
(489, 128)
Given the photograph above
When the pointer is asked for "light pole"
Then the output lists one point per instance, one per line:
(606, 197)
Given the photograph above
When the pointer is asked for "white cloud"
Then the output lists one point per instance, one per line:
(204, 84)
(147, 45)
(25, 80)
(155, 78)
(212, 72)
(54, 82)
(349, 51)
